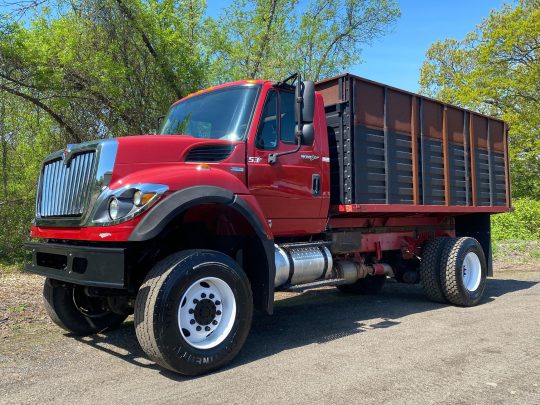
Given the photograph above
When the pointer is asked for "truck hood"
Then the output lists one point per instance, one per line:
(161, 148)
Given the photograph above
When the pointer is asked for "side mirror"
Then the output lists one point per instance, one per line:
(304, 111)
(308, 134)
(308, 107)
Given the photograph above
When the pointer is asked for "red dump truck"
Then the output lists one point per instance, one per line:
(252, 187)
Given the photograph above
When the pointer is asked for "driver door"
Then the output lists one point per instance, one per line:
(288, 191)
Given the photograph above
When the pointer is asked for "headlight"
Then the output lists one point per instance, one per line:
(114, 208)
(123, 204)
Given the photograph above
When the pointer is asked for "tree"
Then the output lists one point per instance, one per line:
(272, 38)
(496, 70)
(104, 67)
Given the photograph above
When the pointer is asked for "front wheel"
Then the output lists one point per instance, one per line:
(193, 312)
(71, 309)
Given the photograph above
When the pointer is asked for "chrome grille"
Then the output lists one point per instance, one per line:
(64, 187)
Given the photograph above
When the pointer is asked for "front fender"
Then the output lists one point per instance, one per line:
(157, 219)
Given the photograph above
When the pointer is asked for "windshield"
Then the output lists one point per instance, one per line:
(218, 114)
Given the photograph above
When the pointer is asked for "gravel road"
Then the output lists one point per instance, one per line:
(321, 346)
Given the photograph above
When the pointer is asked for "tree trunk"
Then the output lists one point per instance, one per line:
(3, 140)
(264, 43)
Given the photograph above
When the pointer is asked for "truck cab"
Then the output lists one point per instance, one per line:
(261, 124)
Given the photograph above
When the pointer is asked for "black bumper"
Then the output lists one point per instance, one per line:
(84, 265)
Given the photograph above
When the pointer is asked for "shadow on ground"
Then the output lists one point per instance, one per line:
(314, 317)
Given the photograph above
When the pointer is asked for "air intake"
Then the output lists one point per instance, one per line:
(209, 153)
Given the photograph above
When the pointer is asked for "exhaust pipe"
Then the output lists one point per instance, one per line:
(352, 271)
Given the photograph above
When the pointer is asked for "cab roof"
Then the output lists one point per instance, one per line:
(220, 86)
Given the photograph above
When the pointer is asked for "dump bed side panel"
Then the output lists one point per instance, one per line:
(392, 147)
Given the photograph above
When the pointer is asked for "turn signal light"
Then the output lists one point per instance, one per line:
(140, 198)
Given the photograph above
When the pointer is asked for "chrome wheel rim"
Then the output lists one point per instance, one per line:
(471, 271)
(207, 313)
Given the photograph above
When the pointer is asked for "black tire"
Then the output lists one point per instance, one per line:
(430, 269)
(369, 285)
(72, 310)
(454, 271)
(158, 305)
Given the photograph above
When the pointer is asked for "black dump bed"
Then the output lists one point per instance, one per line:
(392, 147)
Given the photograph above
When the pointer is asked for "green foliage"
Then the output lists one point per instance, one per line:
(25, 137)
(521, 224)
(104, 66)
(496, 70)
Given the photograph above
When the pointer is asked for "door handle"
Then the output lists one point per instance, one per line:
(316, 184)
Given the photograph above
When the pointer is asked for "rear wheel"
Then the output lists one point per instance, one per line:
(463, 271)
(369, 285)
(71, 309)
(193, 312)
(430, 269)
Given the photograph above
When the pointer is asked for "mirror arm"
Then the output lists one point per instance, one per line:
(272, 158)
(283, 83)
(159, 123)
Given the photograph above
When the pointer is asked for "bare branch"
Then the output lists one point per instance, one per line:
(76, 136)
(168, 74)
(265, 40)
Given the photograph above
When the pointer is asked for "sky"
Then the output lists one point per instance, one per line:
(396, 58)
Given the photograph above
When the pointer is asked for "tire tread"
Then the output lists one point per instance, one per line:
(430, 269)
(145, 303)
(450, 273)
(62, 311)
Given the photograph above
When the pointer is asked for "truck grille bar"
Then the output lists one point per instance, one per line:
(64, 186)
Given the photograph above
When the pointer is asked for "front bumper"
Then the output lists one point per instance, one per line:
(84, 265)
(112, 233)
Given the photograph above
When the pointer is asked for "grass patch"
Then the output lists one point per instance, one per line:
(520, 251)
(17, 309)
(10, 268)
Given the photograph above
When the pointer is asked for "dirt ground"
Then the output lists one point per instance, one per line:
(321, 345)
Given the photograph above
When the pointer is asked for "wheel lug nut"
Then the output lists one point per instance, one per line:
(195, 301)
(203, 295)
(211, 296)
(192, 322)
(207, 328)
(214, 322)
(198, 328)
(218, 302)
(191, 310)
(218, 312)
